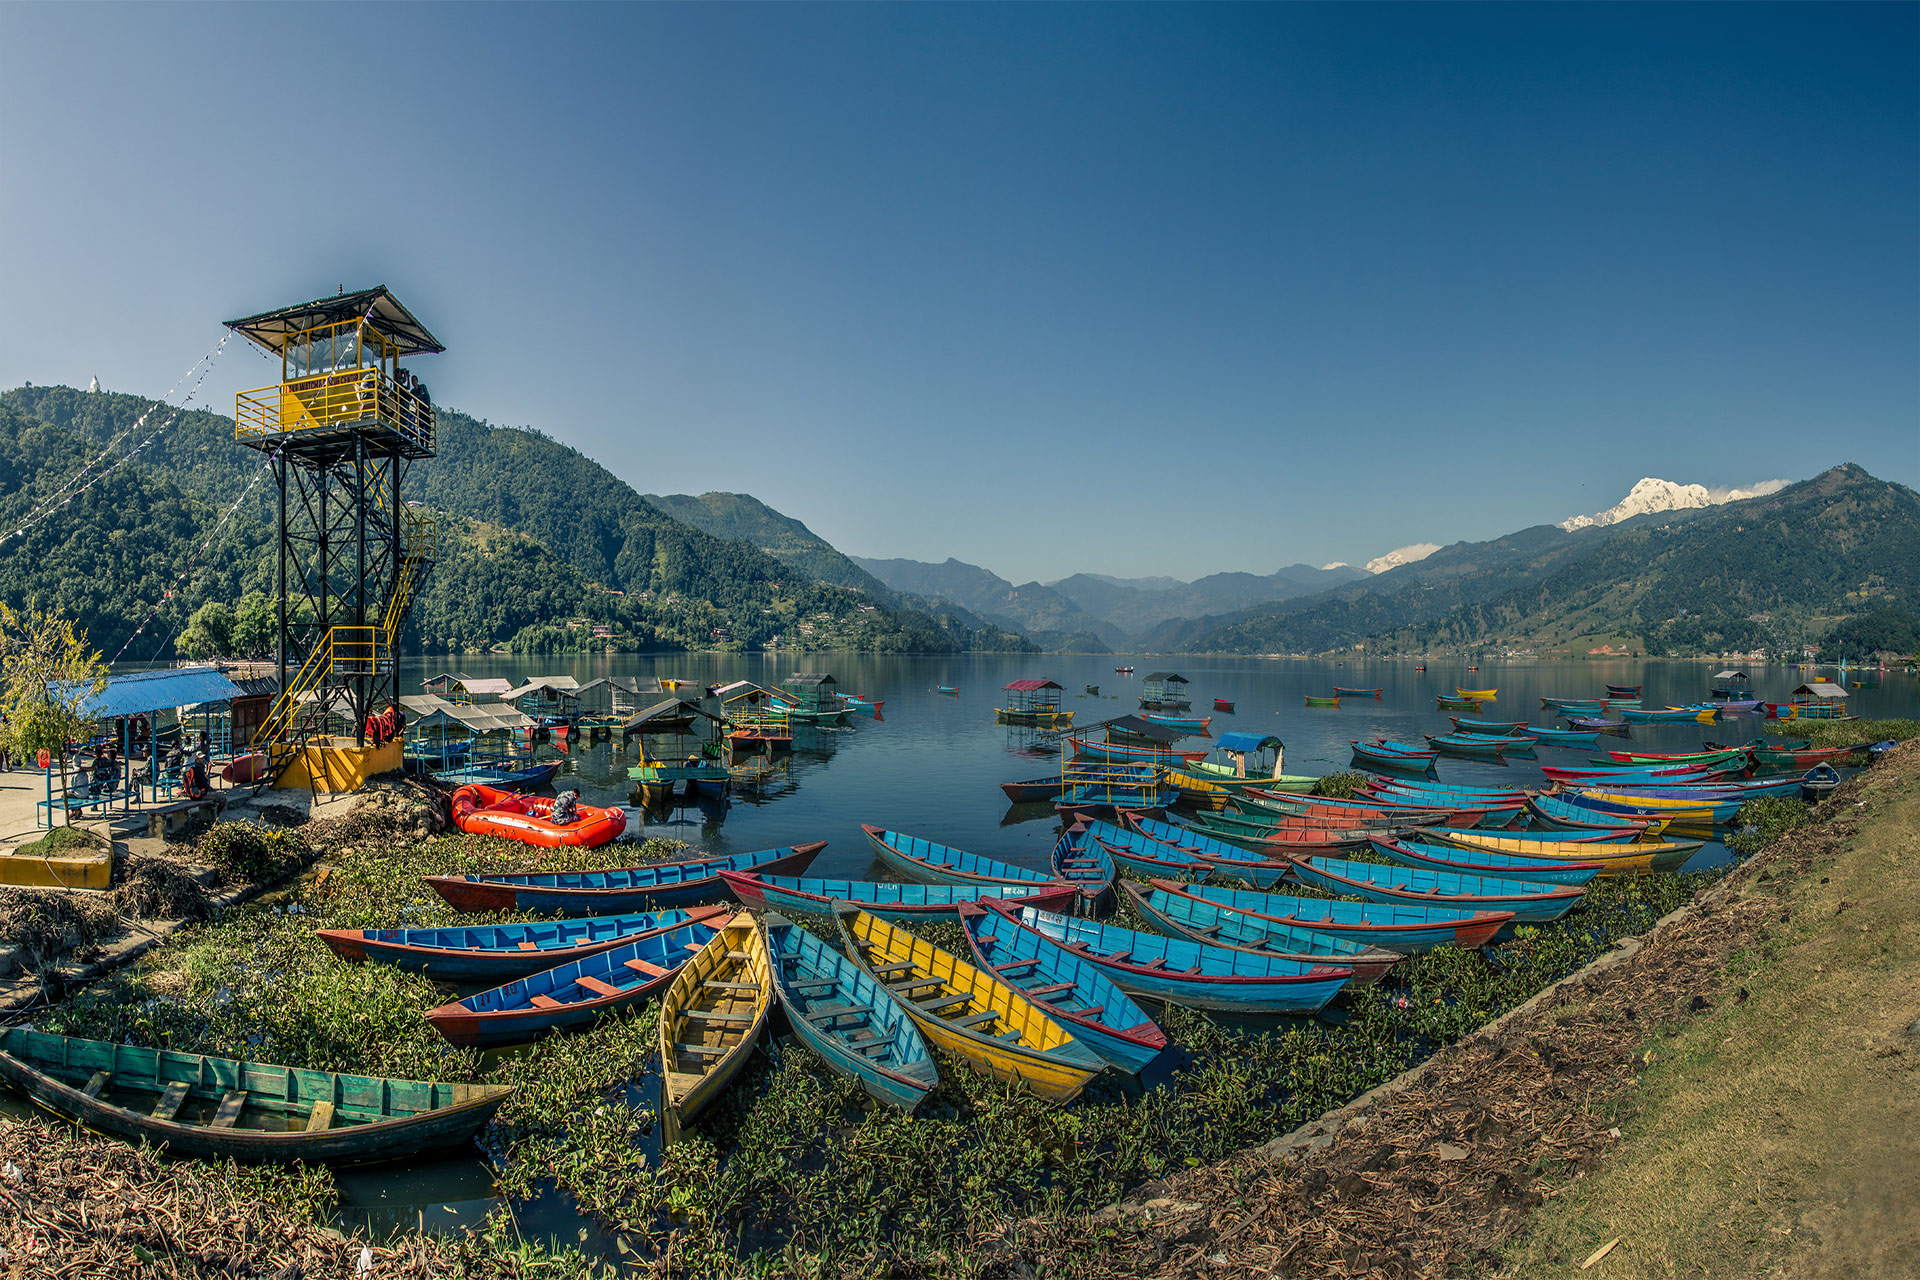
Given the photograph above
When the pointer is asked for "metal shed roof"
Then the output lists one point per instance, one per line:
(1731, 675)
(1821, 689)
(377, 306)
(1134, 726)
(425, 711)
(1167, 677)
(811, 677)
(661, 715)
(1029, 686)
(139, 692)
(1242, 742)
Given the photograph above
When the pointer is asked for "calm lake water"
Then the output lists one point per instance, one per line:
(931, 765)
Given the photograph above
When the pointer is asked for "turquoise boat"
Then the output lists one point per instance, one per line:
(1478, 862)
(809, 896)
(932, 863)
(1179, 971)
(1398, 927)
(1081, 861)
(852, 1022)
(1182, 916)
(1139, 853)
(494, 953)
(1068, 989)
(1529, 902)
(1158, 855)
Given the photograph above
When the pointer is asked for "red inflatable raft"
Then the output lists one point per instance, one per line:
(489, 811)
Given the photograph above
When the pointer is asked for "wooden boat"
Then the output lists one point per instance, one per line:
(1733, 757)
(1221, 704)
(1093, 691)
(854, 702)
(1126, 752)
(1803, 757)
(1363, 809)
(1820, 782)
(1180, 971)
(494, 953)
(1034, 790)
(1035, 715)
(1180, 915)
(1502, 728)
(1271, 846)
(710, 1018)
(1579, 706)
(1070, 990)
(1631, 858)
(1632, 772)
(1623, 691)
(1666, 715)
(593, 893)
(809, 896)
(482, 810)
(1478, 695)
(1190, 724)
(1627, 834)
(1444, 703)
(1383, 758)
(571, 995)
(1322, 702)
(1681, 815)
(1564, 737)
(1459, 744)
(1486, 862)
(1556, 814)
(1078, 860)
(1223, 775)
(1401, 927)
(504, 776)
(844, 1015)
(1440, 794)
(1529, 902)
(947, 688)
(932, 863)
(1140, 853)
(1599, 724)
(1215, 857)
(221, 1109)
(1339, 692)
(968, 1012)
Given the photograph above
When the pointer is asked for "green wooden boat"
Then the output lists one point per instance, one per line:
(216, 1108)
(1322, 702)
(1458, 704)
(1223, 776)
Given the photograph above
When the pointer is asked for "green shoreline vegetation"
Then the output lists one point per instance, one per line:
(793, 1172)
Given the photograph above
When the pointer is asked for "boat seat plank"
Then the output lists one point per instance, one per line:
(1158, 962)
(975, 1019)
(809, 984)
(544, 1002)
(95, 1085)
(1009, 967)
(1051, 989)
(321, 1119)
(596, 986)
(169, 1104)
(700, 1050)
(885, 969)
(902, 988)
(714, 1015)
(647, 967)
(229, 1113)
(718, 985)
(528, 946)
(843, 1011)
(943, 1002)
(738, 955)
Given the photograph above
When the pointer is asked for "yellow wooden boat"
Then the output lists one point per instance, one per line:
(1478, 695)
(1212, 784)
(710, 1019)
(1615, 859)
(969, 1012)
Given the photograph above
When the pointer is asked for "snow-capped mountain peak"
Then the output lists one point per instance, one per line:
(1401, 555)
(1651, 495)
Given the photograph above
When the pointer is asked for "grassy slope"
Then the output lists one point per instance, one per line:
(1781, 1133)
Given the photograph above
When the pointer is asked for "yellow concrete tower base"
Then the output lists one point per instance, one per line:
(338, 765)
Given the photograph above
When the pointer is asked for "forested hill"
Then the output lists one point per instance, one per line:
(741, 517)
(539, 537)
(1774, 572)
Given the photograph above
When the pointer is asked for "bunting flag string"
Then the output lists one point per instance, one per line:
(193, 563)
(55, 502)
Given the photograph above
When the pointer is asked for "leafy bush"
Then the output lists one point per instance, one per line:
(1341, 785)
(1758, 823)
(246, 853)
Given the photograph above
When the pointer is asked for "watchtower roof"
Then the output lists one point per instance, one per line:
(377, 306)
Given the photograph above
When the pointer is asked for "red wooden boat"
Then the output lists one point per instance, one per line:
(1221, 704)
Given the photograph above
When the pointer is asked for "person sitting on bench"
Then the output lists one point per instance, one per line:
(106, 771)
(194, 782)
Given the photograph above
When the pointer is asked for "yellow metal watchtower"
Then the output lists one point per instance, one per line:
(342, 426)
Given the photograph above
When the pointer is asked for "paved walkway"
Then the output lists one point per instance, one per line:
(21, 789)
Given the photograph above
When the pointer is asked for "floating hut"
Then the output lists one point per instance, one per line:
(1164, 691)
(1034, 702)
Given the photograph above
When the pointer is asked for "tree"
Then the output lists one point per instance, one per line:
(209, 632)
(256, 626)
(47, 676)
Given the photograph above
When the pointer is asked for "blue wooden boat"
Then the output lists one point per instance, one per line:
(1512, 744)
(570, 995)
(512, 777)
(1459, 744)
(1599, 724)
(808, 896)
(853, 1022)
(1183, 972)
(1072, 991)
(1667, 715)
(1564, 737)
(1150, 857)
(1382, 756)
(1398, 926)
(1034, 790)
(493, 953)
(1180, 915)
(1221, 857)
(1078, 860)
(1529, 903)
(1500, 728)
(1439, 796)
(948, 688)
(595, 893)
(1188, 724)
(1680, 814)
(1553, 814)
(932, 863)
(1623, 691)
(1480, 862)
(1626, 834)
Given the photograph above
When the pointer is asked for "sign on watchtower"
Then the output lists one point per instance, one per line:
(342, 425)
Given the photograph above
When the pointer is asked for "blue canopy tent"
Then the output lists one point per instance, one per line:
(1239, 744)
(148, 693)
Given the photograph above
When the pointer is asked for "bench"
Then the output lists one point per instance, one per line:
(77, 799)
(167, 819)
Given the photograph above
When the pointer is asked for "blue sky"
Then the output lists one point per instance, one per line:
(1133, 289)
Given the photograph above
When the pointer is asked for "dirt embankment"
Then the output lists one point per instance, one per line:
(1734, 1098)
